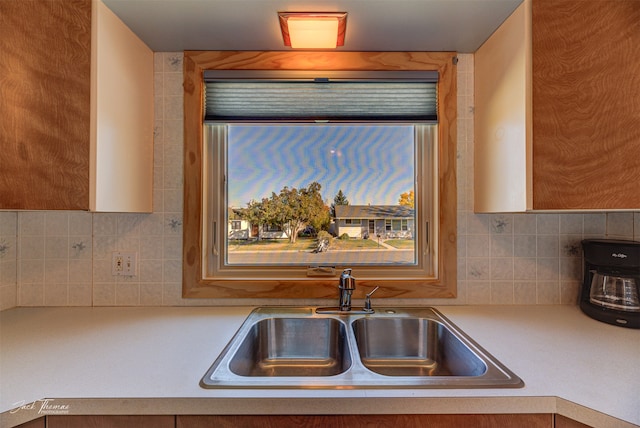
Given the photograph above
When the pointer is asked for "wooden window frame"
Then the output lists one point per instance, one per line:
(195, 62)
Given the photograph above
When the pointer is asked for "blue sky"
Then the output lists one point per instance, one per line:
(372, 164)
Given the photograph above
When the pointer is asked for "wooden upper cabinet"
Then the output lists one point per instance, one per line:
(502, 117)
(66, 113)
(45, 104)
(575, 130)
(586, 104)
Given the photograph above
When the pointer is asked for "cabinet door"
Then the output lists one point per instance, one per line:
(91, 421)
(45, 104)
(586, 104)
(564, 422)
(357, 421)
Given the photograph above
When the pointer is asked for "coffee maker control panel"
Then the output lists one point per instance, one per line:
(612, 253)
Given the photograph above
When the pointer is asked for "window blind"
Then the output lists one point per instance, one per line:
(321, 99)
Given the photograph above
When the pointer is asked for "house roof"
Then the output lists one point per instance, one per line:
(374, 211)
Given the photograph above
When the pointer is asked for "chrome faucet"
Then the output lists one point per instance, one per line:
(367, 301)
(347, 285)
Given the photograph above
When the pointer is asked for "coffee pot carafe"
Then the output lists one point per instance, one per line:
(610, 292)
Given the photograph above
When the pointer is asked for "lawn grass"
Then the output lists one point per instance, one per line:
(353, 244)
(401, 244)
(302, 244)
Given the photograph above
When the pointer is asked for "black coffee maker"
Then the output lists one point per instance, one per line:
(611, 280)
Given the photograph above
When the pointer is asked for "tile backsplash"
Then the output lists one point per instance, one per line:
(51, 258)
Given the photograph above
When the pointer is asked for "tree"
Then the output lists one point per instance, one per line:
(291, 209)
(254, 213)
(235, 213)
(407, 199)
(339, 199)
(322, 221)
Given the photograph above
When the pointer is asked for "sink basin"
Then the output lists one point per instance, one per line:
(293, 347)
(391, 348)
(414, 347)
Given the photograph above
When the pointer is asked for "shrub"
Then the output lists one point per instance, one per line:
(323, 234)
(344, 237)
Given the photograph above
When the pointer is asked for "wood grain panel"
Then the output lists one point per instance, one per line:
(378, 421)
(564, 422)
(586, 104)
(278, 60)
(45, 104)
(111, 421)
(195, 62)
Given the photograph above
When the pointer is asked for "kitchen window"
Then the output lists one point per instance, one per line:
(280, 176)
(210, 270)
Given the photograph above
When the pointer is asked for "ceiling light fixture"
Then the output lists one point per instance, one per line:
(313, 30)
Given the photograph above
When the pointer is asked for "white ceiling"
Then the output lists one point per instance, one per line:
(372, 25)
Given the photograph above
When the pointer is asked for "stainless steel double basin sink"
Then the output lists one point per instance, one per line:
(391, 348)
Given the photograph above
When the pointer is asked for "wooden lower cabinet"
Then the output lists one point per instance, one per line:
(306, 421)
(378, 421)
(564, 422)
(113, 421)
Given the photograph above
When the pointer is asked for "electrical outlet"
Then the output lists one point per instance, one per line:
(124, 263)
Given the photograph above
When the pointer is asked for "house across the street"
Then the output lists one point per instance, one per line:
(239, 228)
(384, 221)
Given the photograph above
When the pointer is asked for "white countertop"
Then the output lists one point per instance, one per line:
(150, 361)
